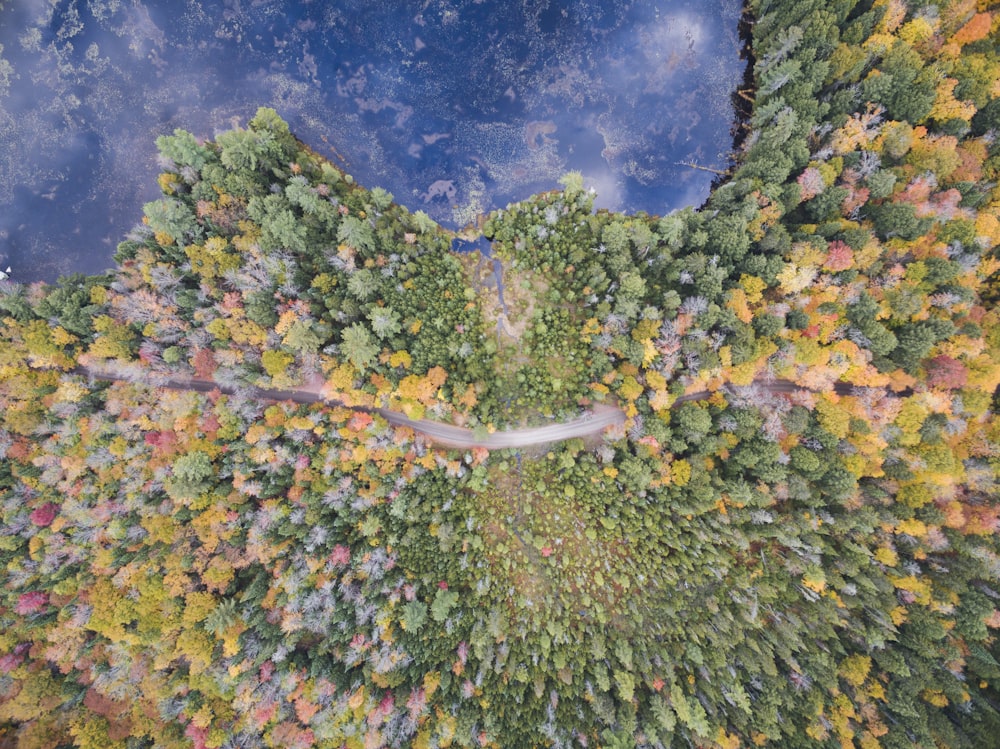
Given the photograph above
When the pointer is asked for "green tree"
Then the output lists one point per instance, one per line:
(357, 234)
(191, 473)
(184, 150)
(362, 284)
(916, 341)
(357, 345)
(305, 337)
(728, 236)
(172, 217)
(240, 150)
(260, 307)
(281, 227)
(898, 220)
(381, 199)
(444, 602)
(70, 303)
(385, 321)
(284, 229)
(632, 286)
(902, 85)
(414, 616)
(424, 223)
(692, 422)
(302, 195)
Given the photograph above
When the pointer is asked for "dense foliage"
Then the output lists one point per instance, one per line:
(738, 566)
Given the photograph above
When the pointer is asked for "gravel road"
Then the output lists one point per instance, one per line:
(448, 435)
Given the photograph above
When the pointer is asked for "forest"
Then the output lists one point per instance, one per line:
(791, 541)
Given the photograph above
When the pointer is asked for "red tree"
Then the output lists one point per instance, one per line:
(945, 372)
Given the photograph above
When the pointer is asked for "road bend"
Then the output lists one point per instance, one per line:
(448, 435)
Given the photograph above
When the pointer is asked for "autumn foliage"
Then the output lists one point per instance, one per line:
(791, 541)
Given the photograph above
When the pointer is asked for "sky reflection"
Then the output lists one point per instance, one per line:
(454, 107)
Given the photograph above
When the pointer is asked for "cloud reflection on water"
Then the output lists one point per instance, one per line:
(455, 107)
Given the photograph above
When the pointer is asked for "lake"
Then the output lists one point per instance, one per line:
(456, 108)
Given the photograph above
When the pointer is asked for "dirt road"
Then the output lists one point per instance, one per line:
(447, 435)
(593, 422)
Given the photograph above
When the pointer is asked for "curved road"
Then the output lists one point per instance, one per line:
(451, 436)
(448, 435)
(440, 433)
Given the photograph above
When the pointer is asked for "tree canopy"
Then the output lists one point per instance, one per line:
(792, 541)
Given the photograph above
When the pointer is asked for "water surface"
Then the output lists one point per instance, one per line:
(454, 107)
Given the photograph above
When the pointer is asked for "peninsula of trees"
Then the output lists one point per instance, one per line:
(787, 537)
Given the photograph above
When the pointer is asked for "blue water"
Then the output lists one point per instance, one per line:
(455, 107)
(480, 244)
